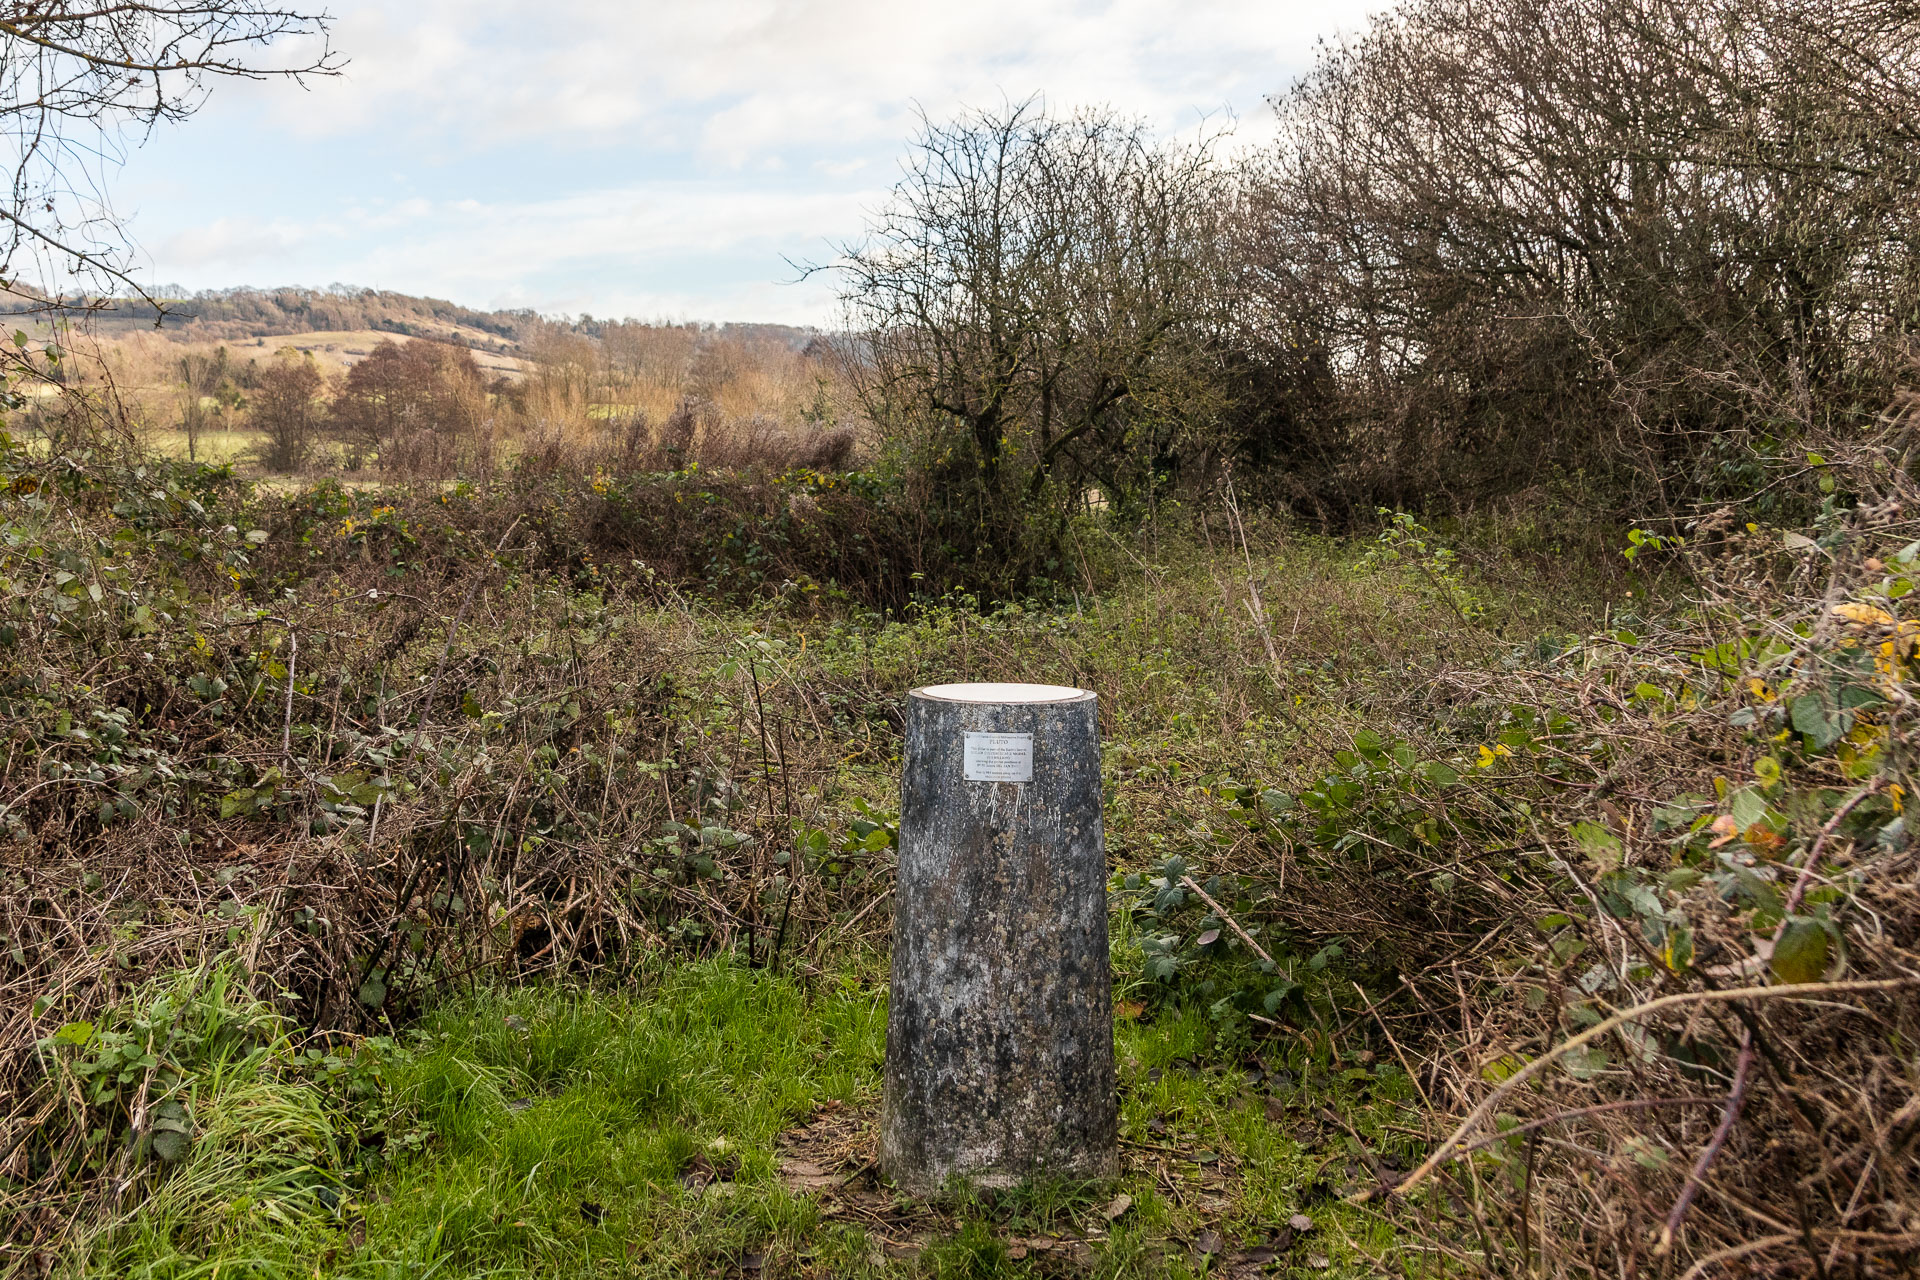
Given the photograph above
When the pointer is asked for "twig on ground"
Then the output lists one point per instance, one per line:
(1226, 918)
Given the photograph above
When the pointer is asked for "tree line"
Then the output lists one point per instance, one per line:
(415, 408)
(1641, 252)
(588, 397)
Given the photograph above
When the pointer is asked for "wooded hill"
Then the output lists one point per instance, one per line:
(228, 315)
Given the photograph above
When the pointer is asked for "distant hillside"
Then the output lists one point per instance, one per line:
(228, 315)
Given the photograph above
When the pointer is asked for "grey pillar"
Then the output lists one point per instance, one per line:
(1000, 1017)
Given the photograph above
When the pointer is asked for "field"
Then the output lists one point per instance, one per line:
(722, 395)
(143, 368)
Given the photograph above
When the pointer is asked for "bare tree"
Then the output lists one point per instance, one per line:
(201, 377)
(81, 81)
(287, 411)
(414, 407)
(1636, 241)
(1037, 285)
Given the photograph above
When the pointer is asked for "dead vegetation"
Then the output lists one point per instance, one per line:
(428, 405)
(1631, 909)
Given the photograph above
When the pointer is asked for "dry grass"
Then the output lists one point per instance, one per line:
(635, 395)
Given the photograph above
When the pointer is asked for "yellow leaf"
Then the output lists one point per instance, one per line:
(1863, 615)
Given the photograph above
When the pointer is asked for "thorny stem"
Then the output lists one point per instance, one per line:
(1736, 1097)
(1447, 1149)
(1743, 1065)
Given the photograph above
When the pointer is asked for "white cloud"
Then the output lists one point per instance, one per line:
(749, 78)
(591, 251)
(673, 152)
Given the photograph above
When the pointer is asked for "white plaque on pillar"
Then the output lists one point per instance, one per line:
(999, 757)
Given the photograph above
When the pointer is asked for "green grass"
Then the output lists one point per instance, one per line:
(544, 1132)
(213, 447)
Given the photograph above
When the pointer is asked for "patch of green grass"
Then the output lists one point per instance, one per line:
(545, 1132)
(213, 447)
(552, 1127)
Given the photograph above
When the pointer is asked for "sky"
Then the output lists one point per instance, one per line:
(645, 158)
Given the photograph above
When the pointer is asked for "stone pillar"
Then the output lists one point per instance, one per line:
(1000, 1018)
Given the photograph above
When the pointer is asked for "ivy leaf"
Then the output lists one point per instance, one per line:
(1801, 953)
(1811, 717)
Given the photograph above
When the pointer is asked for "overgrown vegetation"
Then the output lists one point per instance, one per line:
(1411, 826)
(1488, 522)
(669, 1126)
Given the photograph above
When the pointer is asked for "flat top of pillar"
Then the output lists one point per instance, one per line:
(1002, 693)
